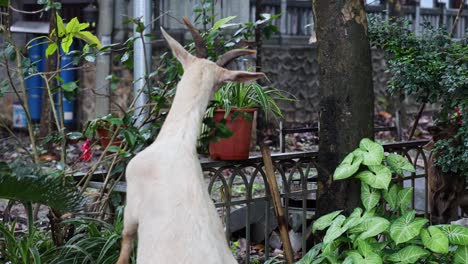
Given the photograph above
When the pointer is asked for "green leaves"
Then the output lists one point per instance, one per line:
(399, 163)
(348, 167)
(28, 183)
(373, 153)
(461, 255)
(409, 254)
(405, 196)
(358, 238)
(355, 257)
(335, 229)
(406, 227)
(325, 221)
(456, 234)
(391, 196)
(369, 197)
(73, 29)
(373, 226)
(222, 22)
(378, 176)
(435, 240)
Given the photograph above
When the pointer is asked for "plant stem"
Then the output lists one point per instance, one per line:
(29, 213)
(26, 106)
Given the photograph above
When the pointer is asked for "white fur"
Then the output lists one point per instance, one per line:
(167, 200)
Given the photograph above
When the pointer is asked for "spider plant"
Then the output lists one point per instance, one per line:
(18, 247)
(95, 241)
(238, 96)
(250, 95)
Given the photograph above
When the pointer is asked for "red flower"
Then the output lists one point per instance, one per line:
(457, 110)
(86, 151)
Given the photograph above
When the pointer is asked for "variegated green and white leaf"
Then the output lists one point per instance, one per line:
(335, 230)
(324, 221)
(354, 219)
(399, 163)
(373, 152)
(461, 255)
(369, 197)
(406, 227)
(348, 167)
(353, 257)
(435, 240)
(405, 196)
(373, 226)
(409, 254)
(378, 176)
(456, 234)
(391, 196)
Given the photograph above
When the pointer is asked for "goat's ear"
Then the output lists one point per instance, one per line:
(240, 76)
(179, 52)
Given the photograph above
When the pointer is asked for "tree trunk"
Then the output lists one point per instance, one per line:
(347, 96)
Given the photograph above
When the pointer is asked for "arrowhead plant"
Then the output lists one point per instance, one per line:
(386, 229)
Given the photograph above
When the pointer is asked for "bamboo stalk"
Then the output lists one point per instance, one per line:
(275, 194)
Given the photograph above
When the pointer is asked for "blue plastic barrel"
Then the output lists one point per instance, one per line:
(35, 84)
(67, 77)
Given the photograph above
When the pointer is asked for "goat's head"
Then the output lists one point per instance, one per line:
(208, 71)
(441, 131)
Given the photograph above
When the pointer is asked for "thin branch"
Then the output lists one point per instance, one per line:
(18, 140)
(27, 12)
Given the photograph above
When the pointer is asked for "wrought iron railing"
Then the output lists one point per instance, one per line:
(237, 186)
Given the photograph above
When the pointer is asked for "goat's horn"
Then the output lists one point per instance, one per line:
(231, 55)
(200, 45)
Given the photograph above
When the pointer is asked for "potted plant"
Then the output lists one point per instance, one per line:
(105, 128)
(231, 114)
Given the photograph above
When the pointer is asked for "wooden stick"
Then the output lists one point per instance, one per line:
(457, 18)
(275, 194)
(416, 121)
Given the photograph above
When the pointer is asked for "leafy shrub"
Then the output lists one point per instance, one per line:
(385, 231)
(433, 68)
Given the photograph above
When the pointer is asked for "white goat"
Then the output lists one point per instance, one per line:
(167, 200)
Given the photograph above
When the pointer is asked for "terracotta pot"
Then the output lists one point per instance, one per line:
(236, 147)
(104, 137)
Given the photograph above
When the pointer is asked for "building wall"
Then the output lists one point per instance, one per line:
(295, 70)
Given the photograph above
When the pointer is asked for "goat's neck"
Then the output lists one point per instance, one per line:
(182, 124)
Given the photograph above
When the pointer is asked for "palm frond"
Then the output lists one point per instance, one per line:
(28, 183)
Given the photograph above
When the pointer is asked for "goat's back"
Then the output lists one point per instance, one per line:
(178, 222)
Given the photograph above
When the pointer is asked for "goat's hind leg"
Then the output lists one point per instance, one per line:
(129, 233)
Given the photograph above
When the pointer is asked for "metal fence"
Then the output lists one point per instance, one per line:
(297, 16)
(240, 191)
(297, 179)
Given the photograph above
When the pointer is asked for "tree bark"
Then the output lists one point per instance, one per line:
(347, 96)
